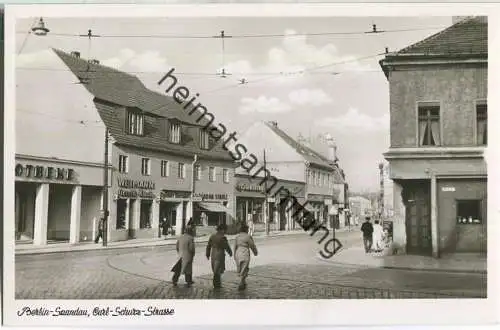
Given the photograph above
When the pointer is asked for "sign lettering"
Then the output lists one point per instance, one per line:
(134, 184)
(42, 172)
(210, 196)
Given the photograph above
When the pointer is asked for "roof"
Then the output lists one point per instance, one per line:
(113, 90)
(465, 39)
(307, 153)
(124, 89)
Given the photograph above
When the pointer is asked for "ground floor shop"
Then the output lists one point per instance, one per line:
(442, 211)
(212, 209)
(56, 201)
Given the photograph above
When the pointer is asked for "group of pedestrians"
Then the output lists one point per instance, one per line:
(217, 247)
(373, 236)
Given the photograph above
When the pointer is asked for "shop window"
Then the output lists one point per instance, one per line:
(123, 164)
(135, 122)
(428, 125)
(469, 212)
(211, 174)
(225, 175)
(482, 124)
(121, 212)
(181, 171)
(197, 172)
(204, 139)
(145, 220)
(175, 133)
(164, 168)
(146, 166)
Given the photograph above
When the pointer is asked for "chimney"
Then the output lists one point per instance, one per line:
(94, 61)
(274, 123)
(332, 148)
(75, 54)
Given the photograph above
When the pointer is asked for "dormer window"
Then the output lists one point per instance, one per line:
(175, 132)
(204, 139)
(135, 122)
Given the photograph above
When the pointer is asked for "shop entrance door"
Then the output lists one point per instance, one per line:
(418, 218)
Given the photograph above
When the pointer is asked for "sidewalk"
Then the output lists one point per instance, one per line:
(457, 262)
(133, 243)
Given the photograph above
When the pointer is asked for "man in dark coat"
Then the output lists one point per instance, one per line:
(367, 230)
(100, 228)
(216, 251)
(185, 249)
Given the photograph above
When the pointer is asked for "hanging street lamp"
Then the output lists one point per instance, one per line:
(39, 29)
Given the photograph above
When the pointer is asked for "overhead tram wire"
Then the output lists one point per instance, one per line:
(25, 40)
(243, 36)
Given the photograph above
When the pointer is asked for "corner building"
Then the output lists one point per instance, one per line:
(438, 95)
(165, 165)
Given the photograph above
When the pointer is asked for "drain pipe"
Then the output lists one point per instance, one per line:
(195, 160)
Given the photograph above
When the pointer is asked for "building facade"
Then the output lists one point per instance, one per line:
(438, 95)
(309, 176)
(56, 200)
(165, 165)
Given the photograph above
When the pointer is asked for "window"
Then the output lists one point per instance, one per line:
(313, 177)
(135, 122)
(204, 139)
(482, 124)
(428, 125)
(225, 175)
(181, 171)
(211, 174)
(468, 212)
(121, 213)
(146, 166)
(164, 168)
(175, 133)
(145, 218)
(317, 179)
(197, 172)
(320, 175)
(123, 164)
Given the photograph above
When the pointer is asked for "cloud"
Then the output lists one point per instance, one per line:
(354, 119)
(41, 58)
(295, 57)
(263, 104)
(124, 56)
(147, 61)
(314, 97)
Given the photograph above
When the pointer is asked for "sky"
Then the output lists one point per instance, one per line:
(305, 74)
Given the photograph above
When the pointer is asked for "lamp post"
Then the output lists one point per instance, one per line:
(105, 190)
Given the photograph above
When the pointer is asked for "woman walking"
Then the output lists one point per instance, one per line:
(216, 251)
(378, 237)
(242, 246)
(186, 251)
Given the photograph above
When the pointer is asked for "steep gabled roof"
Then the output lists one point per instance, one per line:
(307, 153)
(467, 37)
(124, 89)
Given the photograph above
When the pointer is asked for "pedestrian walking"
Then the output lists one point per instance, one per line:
(367, 230)
(185, 249)
(165, 228)
(378, 236)
(242, 246)
(100, 228)
(216, 251)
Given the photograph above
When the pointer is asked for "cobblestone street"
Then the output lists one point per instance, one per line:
(286, 268)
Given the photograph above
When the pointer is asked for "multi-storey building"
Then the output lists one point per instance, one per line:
(438, 133)
(165, 164)
(309, 176)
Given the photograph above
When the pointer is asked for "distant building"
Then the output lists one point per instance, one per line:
(360, 208)
(438, 97)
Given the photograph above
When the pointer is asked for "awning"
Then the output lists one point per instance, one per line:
(214, 207)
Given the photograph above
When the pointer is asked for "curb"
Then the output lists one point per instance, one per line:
(437, 270)
(146, 245)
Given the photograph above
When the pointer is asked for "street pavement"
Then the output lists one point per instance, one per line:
(287, 267)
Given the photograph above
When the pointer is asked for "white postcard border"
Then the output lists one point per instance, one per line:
(263, 312)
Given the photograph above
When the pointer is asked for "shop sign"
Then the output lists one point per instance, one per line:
(165, 194)
(449, 189)
(210, 196)
(250, 187)
(125, 193)
(45, 172)
(315, 198)
(328, 202)
(271, 200)
(136, 184)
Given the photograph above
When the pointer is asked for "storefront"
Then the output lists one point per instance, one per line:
(250, 199)
(174, 208)
(56, 200)
(136, 209)
(286, 207)
(211, 209)
(318, 205)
